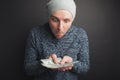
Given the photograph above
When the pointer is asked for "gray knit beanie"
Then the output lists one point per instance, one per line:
(69, 5)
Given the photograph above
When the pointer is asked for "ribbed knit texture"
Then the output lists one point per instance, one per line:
(41, 43)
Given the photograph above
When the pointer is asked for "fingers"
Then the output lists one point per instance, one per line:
(65, 68)
(54, 57)
(66, 59)
(62, 62)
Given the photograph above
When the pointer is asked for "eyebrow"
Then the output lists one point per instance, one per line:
(58, 18)
(54, 16)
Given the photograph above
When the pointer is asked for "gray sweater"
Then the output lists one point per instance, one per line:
(41, 43)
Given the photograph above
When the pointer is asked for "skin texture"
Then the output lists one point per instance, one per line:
(60, 21)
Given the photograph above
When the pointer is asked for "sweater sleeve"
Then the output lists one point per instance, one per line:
(83, 56)
(31, 63)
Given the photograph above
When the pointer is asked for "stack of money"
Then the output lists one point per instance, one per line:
(50, 64)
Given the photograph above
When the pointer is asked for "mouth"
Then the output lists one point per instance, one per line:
(59, 35)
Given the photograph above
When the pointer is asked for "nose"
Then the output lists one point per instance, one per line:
(60, 26)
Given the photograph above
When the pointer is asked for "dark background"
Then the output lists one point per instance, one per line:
(100, 18)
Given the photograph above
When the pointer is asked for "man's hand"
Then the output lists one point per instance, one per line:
(66, 59)
(54, 58)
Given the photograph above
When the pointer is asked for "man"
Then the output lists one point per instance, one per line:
(57, 38)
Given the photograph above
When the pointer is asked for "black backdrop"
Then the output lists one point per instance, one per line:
(100, 18)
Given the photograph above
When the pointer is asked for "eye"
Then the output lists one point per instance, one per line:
(66, 20)
(54, 19)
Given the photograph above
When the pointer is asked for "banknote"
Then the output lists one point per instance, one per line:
(50, 64)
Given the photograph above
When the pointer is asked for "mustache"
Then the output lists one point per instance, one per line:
(59, 32)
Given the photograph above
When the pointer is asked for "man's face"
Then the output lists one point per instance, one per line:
(60, 21)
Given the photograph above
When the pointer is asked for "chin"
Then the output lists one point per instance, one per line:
(59, 36)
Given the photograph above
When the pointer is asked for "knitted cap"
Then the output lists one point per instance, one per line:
(69, 5)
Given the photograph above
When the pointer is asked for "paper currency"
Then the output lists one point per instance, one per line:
(50, 64)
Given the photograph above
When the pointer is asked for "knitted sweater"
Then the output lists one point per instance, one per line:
(41, 43)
